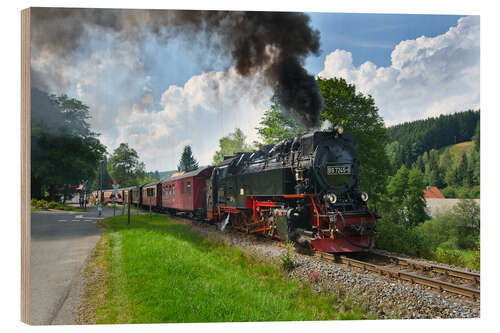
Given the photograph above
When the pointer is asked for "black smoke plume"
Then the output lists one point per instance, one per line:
(274, 43)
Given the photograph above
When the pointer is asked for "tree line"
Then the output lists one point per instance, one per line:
(410, 140)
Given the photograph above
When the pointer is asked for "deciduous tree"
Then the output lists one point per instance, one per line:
(64, 151)
(359, 115)
(277, 124)
(124, 165)
(231, 144)
(406, 197)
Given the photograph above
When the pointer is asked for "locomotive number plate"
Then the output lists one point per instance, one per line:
(338, 170)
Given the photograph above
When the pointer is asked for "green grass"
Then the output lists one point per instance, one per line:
(160, 271)
(458, 257)
(458, 149)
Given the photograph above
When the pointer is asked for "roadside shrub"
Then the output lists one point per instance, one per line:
(396, 237)
(286, 258)
(42, 204)
(440, 229)
(34, 203)
(52, 205)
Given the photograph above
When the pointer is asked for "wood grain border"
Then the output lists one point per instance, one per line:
(25, 163)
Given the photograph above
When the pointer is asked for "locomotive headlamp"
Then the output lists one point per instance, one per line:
(364, 196)
(339, 129)
(299, 174)
(331, 198)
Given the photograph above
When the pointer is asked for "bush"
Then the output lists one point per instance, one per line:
(440, 229)
(463, 258)
(52, 205)
(396, 237)
(455, 229)
(448, 256)
(34, 203)
(42, 204)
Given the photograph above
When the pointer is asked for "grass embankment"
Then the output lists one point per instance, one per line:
(158, 271)
(459, 149)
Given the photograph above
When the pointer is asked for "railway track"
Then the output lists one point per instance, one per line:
(435, 276)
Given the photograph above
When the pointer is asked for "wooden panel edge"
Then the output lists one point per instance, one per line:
(25, 163)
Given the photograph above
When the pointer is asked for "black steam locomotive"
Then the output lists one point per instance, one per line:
(303, 189)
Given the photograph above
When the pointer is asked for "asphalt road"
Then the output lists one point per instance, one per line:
(61, 242)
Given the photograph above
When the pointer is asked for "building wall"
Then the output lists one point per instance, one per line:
(435, 206)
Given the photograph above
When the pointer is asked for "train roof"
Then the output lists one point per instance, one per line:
(193, 173)
(150, 184)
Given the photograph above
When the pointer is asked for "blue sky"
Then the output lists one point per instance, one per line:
(372, 36)
(159, 97)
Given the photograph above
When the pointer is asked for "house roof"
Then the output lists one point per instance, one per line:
(432, 192)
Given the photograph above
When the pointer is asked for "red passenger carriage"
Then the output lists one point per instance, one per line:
(186, 192)
(150, 196)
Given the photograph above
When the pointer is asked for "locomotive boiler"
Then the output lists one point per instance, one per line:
(303, 189)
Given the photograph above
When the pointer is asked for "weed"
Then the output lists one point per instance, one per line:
(286, 258)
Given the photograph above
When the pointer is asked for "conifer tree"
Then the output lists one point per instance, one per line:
(187, 162)
(462, 170)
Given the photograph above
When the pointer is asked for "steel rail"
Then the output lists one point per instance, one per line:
(403, 275)
(447, 271)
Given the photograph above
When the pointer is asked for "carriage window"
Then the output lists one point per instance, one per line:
(182, 187)
(173, 189)
(188, 188)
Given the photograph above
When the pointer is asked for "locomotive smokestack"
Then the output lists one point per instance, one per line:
(246, 36)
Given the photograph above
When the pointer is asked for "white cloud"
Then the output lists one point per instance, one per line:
(199, 113)
(428, 76)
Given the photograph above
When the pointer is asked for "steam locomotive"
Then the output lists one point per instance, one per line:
(303, 189)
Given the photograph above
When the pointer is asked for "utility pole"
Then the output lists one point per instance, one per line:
(101, 196)
(129, 199)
